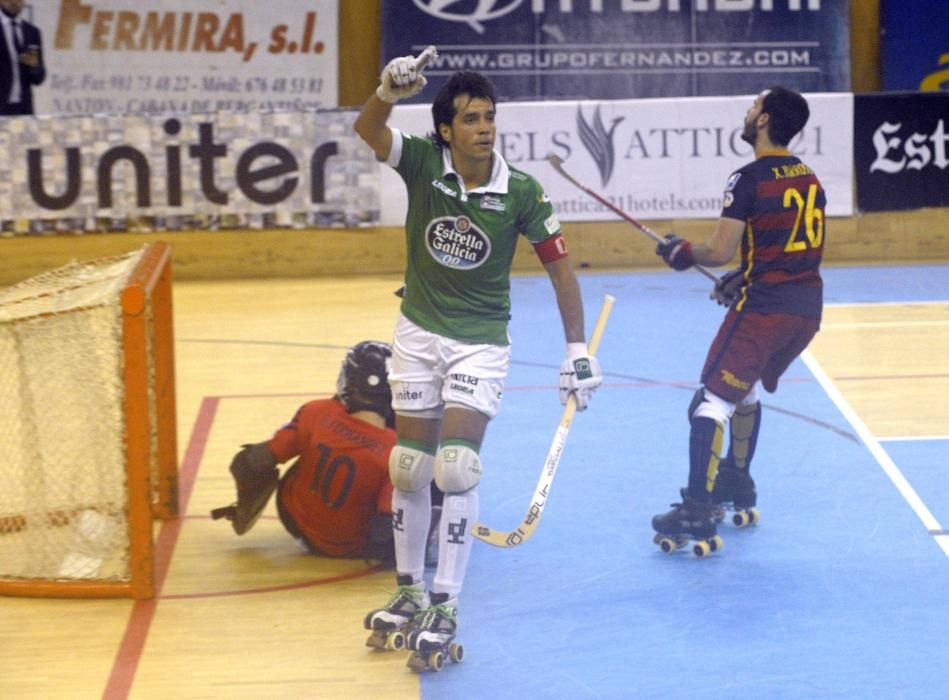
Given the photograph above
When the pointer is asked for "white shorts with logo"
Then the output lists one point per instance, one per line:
(429, 371)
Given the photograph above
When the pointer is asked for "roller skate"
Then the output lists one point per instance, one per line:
(431, 635)
(718, 511)
(389, 624)
(689, 521)
(735, 491)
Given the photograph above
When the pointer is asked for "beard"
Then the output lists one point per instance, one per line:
(749, 133)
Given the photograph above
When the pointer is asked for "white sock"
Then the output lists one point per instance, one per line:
(411, 515)
(459, 515)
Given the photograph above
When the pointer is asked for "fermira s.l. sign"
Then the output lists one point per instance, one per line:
(129, 57)
(617, 49)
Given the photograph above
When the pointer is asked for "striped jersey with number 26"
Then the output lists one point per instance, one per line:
(782, 204)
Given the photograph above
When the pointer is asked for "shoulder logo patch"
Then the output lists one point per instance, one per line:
(552, 224)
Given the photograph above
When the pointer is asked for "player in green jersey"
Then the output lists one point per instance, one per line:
(451, 350)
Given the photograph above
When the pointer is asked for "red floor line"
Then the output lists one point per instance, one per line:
(129, 654)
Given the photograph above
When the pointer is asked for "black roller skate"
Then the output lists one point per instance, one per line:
(688, 521)
(430, 637)
(735, 491)
(718, 511)
(389, 624)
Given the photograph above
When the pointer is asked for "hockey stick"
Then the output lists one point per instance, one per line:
(536, 509)
(557, 163)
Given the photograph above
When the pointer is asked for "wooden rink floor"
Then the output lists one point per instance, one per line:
(839, 593)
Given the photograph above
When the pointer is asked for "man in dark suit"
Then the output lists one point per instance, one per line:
(21, 60)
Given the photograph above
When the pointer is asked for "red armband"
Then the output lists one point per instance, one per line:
(551, 249)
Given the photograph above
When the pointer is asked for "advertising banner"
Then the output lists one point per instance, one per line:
(622, 49)
(914, 45)
(655, 159)
(194, 171)
(178, 56)
(901, 150)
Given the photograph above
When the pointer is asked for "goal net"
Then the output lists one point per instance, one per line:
(88, 451)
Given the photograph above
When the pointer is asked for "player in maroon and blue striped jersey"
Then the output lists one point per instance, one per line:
(774, 210)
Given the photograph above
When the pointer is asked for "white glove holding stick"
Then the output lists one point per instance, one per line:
(580, 373)
(402, 77)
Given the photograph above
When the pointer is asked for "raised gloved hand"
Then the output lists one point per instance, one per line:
(402, 77)
(677, 252)
(580, 374)
(728, 287)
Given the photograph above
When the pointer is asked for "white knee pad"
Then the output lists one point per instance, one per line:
(410, 469)
(457, 468)
(714, 407)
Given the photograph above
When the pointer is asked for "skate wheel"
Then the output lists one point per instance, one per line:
(701, 549)
(456, 653)
(416, 662)
(395, 641)
(716, 544)
(666, 544)
(436, 661)
(754, 516)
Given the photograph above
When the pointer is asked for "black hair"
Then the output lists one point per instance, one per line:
(787, 113)
(468, 83)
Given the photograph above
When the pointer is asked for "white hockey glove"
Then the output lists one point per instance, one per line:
(402, 77)
(580, 374)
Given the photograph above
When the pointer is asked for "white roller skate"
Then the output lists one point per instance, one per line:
(389, 624)
(432, 633)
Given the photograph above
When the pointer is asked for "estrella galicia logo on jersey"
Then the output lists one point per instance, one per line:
(599, 142)
(457, 243)
(483, 11)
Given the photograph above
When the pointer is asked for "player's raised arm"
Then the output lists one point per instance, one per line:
(401, 78)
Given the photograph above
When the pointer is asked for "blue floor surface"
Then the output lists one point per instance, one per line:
(840, 593)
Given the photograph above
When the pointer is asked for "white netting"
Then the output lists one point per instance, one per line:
(63, 500)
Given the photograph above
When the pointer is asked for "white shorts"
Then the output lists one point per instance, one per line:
(430, 370)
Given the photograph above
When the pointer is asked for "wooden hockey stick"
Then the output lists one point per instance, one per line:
(523, 532)
(557, 163)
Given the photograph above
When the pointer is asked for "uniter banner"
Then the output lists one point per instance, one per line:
(655, 159)
(179, 56)
(204, 171)
(901, 150)
(622, 49)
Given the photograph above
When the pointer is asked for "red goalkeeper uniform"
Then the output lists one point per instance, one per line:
(340, 481)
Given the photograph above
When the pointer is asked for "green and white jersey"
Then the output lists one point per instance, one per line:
(460, 245)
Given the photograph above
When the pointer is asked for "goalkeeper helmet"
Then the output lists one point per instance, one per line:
(363, 383)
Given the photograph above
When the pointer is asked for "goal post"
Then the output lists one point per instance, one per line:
(88, 428)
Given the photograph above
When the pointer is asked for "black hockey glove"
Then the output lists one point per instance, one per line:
(676, 251)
